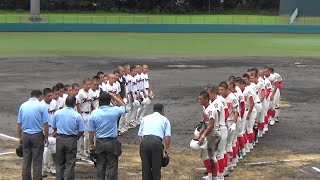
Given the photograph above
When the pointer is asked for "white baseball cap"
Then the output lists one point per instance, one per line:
(194, 144)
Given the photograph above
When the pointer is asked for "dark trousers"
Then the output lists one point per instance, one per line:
(107, 161)
(151, 153)
(33, 146)
(66, 151)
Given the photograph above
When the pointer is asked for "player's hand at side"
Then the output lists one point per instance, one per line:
(271, 97)
(20, 141)
(46, 142)
(248, 117)
(201, 140)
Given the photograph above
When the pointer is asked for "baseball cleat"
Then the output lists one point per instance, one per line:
(271, 122)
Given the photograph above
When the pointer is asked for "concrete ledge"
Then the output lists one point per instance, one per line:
(160, 28)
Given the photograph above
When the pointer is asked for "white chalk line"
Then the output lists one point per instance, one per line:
(6, 153)
(316, 169)
(9, 137)
(273, 162)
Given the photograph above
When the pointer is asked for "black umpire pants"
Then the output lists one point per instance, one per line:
(33, 146)
(151, 153)
(66, 151)
(107, 161)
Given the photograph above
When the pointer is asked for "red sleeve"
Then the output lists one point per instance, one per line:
(268, 93)
(226, 114)
(280, 84)
(241, 109)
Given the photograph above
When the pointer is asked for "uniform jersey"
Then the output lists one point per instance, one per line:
(255, 89)
(248, 92)
(110, 88)
(261, 88)
(210, 113)
(117, 87)
(240, 95)
(53, 106)
(84, 99)
(217, 104)
(51, 110)
(122, 82)
(232, 103)
(138, 79)
(95, 98)
(128, 84)
(267, 84)
(60, 102)
(134, 86)
(272, 78)
(279, 79)
(146, 80)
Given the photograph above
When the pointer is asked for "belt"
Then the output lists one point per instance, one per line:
(111, 138)
(258, 102)
(247, 109)
(64, 135)
(152, 137)
(147, 88)
(86, 112)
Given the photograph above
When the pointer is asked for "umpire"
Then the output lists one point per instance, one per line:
(32, 117)
(154, 128)
(70, 127)
(103, 125)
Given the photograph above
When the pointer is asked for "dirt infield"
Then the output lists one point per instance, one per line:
(176, 82)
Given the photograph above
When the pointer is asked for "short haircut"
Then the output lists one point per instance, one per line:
(240, 80)
(46, 91)
(232, 83)
(249, 70)
(271, 70)
(95, 79)
(205, 94)
(55, 88)
(246, 76)
(115, 71)
(99, 73)
(36, 93)
(145, 65)
(255, 70)
(85, 80)
(254, 74)
(212, 89)
(265, 67)
(70, 101)
(132, 69)
(224, 84)
(74, 85)
(66, 87)
(104, 98)
(158, 108)
(60, 86)
(232, 78)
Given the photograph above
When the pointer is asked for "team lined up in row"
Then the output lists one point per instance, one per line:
(235, 115)
(128, 83)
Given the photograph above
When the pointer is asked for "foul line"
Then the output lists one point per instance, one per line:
(316, 169)
(6, 153)
(273, 162)
(9, 137)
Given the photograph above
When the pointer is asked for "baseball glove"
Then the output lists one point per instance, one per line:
(151, 95)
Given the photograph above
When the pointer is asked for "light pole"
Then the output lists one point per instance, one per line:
(35, 11)
(209, 6)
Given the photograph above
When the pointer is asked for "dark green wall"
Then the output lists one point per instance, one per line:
(160, 28)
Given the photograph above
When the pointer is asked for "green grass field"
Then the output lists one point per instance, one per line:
(148, 44)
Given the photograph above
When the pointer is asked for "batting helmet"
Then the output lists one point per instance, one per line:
(194, 144)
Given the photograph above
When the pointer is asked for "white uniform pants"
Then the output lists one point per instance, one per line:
(84, 140)
(259, 116)
(48, 152)
(250, 122)
(221, 150)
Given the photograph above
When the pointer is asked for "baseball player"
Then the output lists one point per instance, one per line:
(210, 115)
(250, 112)
(266, 103)
(84, 108)
(134, 97)
(58, 93)
(67, 92)
(260, 90)
(128, 77)
(274, 82)
(277, 94)
(100, 74)
(257, 103)
(94, 92)
(232, 103)
(75, 89)
(144, 91)
(50, 150)
(220, 128)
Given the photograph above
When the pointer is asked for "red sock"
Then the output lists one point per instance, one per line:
(237, 147)
(260, 126)
(266, 119)
(242, 142)
(230, 156)
(269, 113)
(251, 137)
(273, 114)
(225, 160)
(221, 165)
(234, 155)
(207, 165)
(215, 169)
(245, 138)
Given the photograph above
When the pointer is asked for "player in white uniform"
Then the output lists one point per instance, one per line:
(144, 91)
(277, 94)
(50, 150)
(84, 108)
(220, 128)
(60, 100)
(94, 92)
(257, 104)
(210, 116)
(134, 96)
(274, 82)
(261, 95)
(266, 103)
(232, 103)
(250, 111)
(128, 78)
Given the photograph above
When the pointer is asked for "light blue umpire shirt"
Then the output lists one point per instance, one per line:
(68, 121)
(103, 121)
(155, 124)
(32, 115)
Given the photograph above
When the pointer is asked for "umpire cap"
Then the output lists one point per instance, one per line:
(19, 150)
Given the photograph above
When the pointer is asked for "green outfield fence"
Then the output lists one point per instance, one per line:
(159, 19)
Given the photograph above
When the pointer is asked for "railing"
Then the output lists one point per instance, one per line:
(158, 19)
